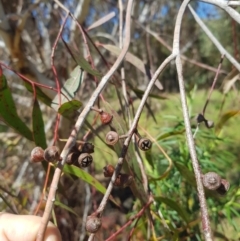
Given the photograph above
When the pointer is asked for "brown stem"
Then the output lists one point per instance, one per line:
(213, 85)
(139, 214)
(191, 145)
(72, 138)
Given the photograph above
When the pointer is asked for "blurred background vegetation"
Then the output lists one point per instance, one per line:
(28, 30)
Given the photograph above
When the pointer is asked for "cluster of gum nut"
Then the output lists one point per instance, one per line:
(82, 153)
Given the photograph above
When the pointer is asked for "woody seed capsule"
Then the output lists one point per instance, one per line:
(51, 154)
(37, 154)
(93, 224)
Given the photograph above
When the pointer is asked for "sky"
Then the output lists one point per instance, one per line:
(206, 10)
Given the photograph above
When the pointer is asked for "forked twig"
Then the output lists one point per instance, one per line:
(166, 45)
(225, 6)
(221, 49)
(128, 139)
(191, 145)
(72, 138)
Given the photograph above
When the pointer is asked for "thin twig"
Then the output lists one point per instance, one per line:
(56, 75)
(24, 78)
(72, 138)
(44, 189)
(84, 35)
(191, 145)
(233, 3)
(225, 6)
(170, 162)
(138, 215)
(193, 154)
(165, 44)
(124, 89)
(12, 208)
(48, 208)
(234, 36)
(221, 49)
(133, 126)
(85, 212)
(213, 85)
(8, 192)
(130, 133)
(88, 50)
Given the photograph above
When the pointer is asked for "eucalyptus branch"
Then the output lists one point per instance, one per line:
(166, 45)
(128, 139)
(122, 135)
(221, 49)
(191, 145)
(72, 138)
(225, 6)
(233, 3)
(131, 220)
(56, 75)
(124, 90)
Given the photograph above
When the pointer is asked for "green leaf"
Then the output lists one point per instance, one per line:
(233, 210)
(224, 118)
(174, 205)
(230, 80)
(132, 59)
(237, 205)
(75, 171)
(85, 65)
(3, 128)
(40, 94)
(81, 61)
(69, 89)
(102, 20)
(131, 164)
(38, 126)
(86, 177)
(68, 108)
(138, 63)
(8, 111)
(139, 93)
(170, 133)
(61, 205)
(186, 173)
(149, 157)
(220, 236)
(228, 213)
